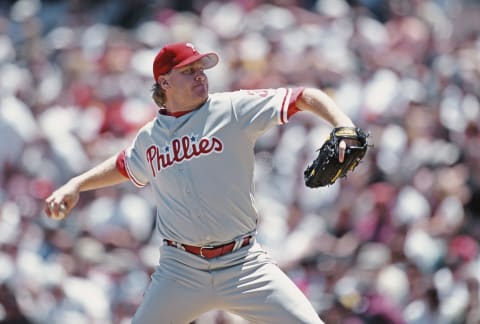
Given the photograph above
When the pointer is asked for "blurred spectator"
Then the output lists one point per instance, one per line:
(12, 314)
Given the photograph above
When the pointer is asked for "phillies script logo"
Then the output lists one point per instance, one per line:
(179, 150)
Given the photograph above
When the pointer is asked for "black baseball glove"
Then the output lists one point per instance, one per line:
(326, 168)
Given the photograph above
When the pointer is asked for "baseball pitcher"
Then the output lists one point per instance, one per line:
(197, 156)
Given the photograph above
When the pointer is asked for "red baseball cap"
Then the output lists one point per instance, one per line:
(177, 55)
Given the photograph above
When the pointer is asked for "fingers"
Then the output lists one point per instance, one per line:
(342, 147)
(56, 210)
(59, 204)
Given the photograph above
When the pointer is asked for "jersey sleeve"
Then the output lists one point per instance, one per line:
(261, 109)
(130, 164)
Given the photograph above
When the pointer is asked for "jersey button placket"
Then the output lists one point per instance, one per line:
(182, 173)
(189, 190)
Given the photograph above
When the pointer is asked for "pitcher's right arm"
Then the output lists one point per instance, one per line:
(59, 204)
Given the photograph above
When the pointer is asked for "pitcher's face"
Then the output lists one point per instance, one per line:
(188, 85)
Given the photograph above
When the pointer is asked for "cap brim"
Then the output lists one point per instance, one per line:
(208, 60)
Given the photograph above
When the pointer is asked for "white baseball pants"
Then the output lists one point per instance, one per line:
(245, 282)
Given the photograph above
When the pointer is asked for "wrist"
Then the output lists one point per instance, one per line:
(348, 124)
(75, 183)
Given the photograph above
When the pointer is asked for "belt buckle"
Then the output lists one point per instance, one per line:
(204, 247)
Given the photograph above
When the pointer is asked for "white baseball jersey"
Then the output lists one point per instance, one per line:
(200, 165)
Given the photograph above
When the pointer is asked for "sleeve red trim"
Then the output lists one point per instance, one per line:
(120, 163)
(292, 107)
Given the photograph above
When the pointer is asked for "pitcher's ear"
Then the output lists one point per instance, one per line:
(163, 82)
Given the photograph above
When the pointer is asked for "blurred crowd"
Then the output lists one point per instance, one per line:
(395, 242)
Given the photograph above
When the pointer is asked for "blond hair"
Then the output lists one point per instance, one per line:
(158, 95)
